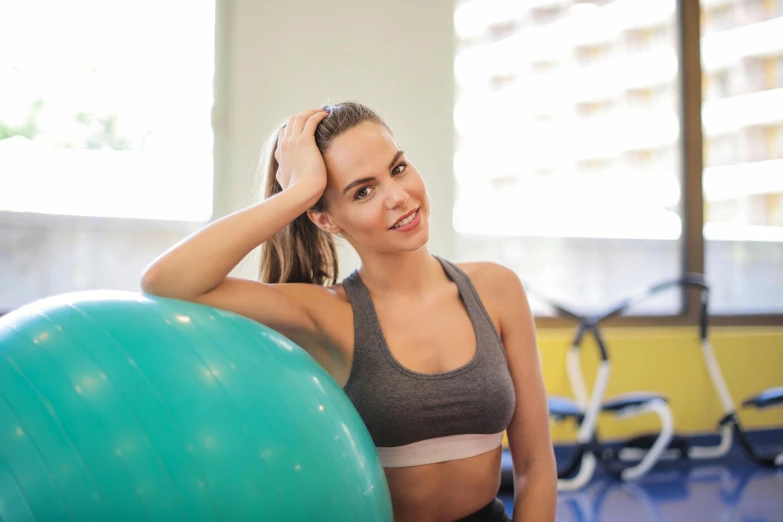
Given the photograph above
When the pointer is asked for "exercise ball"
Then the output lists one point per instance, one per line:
(124, 406)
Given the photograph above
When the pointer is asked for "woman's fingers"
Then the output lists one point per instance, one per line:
(313, 121)
(303, 123)
(300, 121)
(289, 128)
(279, 146)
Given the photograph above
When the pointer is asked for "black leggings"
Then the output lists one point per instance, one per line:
(495, 511)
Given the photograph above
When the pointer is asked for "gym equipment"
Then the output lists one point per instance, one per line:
(729, 424)
(587, 407)
(648, 448)
(123, 406)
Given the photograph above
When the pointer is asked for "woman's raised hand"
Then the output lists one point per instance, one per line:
(299, 160)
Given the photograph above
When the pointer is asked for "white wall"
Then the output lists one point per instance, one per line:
(279, 58)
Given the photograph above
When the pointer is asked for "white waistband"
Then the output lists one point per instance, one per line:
(439, 449)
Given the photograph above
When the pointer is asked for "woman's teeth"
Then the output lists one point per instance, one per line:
(406, 220)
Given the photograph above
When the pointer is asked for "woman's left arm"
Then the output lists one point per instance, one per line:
(535, 470)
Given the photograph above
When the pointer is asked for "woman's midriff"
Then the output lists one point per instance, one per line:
(444, 491)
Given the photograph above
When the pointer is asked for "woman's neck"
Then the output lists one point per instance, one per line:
(402, 275)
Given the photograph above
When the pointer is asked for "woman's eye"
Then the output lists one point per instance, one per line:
(402, 165)
(364, 192)
(361, 194)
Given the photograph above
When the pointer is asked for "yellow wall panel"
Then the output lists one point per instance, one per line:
(668, 361)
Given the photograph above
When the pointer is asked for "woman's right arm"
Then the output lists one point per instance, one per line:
(196, 269)
(200, 262)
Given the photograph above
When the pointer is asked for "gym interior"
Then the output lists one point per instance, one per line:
(623, 157)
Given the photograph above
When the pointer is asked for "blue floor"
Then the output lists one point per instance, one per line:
(729, 490)
(710, 493)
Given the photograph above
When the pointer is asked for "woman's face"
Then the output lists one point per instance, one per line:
(370, 186)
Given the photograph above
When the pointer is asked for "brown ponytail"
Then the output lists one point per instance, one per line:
(301, 252)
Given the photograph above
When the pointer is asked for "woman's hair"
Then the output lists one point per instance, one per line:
(301, 252)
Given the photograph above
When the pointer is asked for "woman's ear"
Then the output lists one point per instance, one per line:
(324, 221)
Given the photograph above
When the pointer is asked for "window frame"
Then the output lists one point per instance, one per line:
(690, 147)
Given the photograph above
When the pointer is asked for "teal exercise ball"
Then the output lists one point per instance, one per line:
(123, 406)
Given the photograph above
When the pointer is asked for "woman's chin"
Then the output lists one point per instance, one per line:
(410, 244)
(421, 240)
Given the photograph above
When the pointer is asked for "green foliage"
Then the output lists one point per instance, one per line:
(28, 129)
(88, 131)
(102, 132)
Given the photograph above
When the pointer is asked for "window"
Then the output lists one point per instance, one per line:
(105, 139)
(721, 150)
(594, 213)
(597, 207)
(776, 70)
(101, 102)
(718, 16)
(778, 140)
(742, 180)
(642, 38)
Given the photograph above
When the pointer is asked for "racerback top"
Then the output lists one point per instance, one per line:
(420, 418)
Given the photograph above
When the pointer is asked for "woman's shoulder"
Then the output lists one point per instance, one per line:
(491, 276)
(320, 302)
(319, 295)
(337, 292)
(493, 282)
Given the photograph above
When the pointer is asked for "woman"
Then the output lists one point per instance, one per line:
(439, 359)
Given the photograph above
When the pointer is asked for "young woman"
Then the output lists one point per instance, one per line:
(438, 358)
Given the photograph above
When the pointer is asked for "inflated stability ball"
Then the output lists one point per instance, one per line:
(122, 406)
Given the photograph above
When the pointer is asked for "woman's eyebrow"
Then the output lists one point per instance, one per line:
(359, 181)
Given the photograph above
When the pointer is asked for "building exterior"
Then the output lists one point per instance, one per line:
(567, 153)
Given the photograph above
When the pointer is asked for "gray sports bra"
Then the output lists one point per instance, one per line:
(418, 418)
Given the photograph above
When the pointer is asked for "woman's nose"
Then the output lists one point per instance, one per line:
(397, 197)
